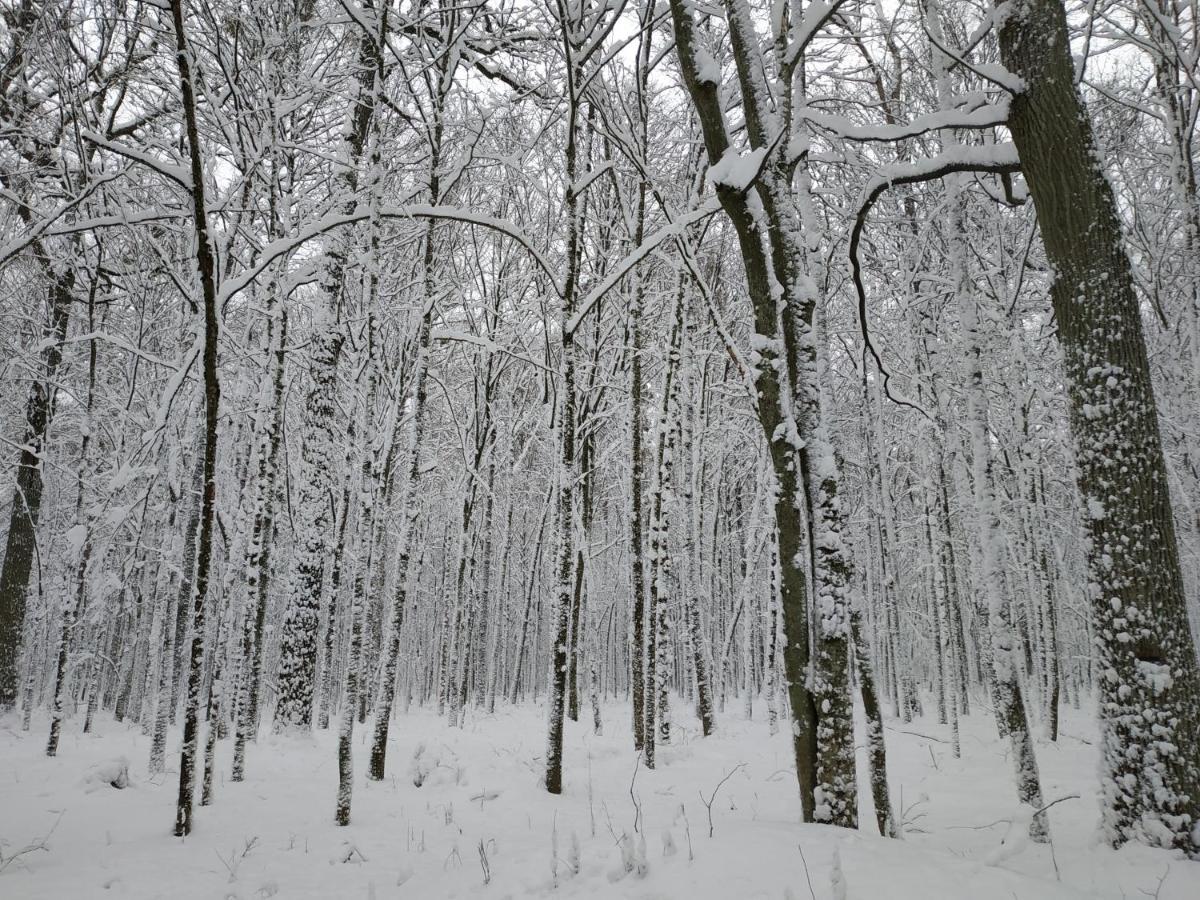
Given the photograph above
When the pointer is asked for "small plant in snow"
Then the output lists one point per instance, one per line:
(351, 854)
(1016, 837)
(631, 860)
(437, 763)
(708, 804)
(236, 857)
(554, 852)
(418, 767)
(911, 815)
(668, 843)
(640, 865)
(484, 862)
(627, 853)
(837, 881)
(573, 863)
(687, 830)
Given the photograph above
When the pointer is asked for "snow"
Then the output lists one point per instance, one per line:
(111, 773)
(707, 68)
(737, 170)
(75, 537)
(982, 116)
(480, 809)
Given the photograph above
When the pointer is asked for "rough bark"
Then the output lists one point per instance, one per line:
(1149, 680)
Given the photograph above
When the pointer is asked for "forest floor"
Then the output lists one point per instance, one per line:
(481, 826)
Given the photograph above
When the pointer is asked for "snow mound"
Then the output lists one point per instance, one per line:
(435, 764)
(113, 773)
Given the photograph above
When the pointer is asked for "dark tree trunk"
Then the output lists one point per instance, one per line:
(1150, 685)
(205, 265)
(21, 546)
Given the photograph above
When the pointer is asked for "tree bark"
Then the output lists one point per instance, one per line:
(205, 265)
(1150, 682)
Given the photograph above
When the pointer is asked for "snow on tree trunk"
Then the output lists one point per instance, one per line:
(207, 334)
(298, 650)
(1149, 680)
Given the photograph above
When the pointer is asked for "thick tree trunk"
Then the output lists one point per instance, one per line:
(298, 651)
(1150, 682)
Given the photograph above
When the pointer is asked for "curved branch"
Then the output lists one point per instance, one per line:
(271, 252)
(1000, 159)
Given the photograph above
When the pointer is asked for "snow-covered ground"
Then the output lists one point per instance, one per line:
(480, 825)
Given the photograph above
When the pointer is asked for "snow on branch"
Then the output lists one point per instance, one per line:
(626, 265)
(442, 334)
(176, 172)
(814, 20)
(46, 221)
(272, 251)
(990, 72)
(985, 116)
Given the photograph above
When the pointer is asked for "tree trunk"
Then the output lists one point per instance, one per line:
(21, 544)
(1150, 684)
(206, 267)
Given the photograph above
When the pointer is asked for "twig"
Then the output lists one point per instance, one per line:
(37, 844)
(235, 859)
(928, 737)
(807, 877)
(687, 830)
(637, 807)
(1036, 812)
(483, 863)
(1158, 888)
(709, 802)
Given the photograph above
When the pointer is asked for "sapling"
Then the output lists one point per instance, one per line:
(687, 830)
(237, 857)
(708, 804)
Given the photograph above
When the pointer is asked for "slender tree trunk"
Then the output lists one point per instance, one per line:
(885, 817)
(694, 547)
(661, 564)
(258, 555)
(637, 477)
(567, 463)
(205, 265)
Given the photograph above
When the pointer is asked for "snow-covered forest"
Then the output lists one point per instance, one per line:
(599, 448)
